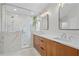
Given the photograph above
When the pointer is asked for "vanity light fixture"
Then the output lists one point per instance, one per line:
(61, 5)
(45, 13)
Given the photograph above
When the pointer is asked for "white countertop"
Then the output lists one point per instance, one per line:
(72, 43)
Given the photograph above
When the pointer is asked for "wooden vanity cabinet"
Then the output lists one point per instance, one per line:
(48, 47)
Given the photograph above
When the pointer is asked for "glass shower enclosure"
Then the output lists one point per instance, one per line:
(15, 28)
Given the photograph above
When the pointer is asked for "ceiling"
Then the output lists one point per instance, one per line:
(35, 8)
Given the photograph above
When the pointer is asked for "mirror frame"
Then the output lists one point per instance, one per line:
(47, 20)
(59, 24)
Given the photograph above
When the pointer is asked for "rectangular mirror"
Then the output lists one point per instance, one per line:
(44, 22)
(69, 16)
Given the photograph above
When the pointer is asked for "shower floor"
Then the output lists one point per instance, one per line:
(23, 52)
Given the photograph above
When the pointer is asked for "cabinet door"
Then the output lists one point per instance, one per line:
(69, 51)
(51, 48)
(63, 50)
(54, 48)
(60, 50)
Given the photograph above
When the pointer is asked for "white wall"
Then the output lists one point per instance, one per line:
(0, 17)
(1, 41)
(54, 23)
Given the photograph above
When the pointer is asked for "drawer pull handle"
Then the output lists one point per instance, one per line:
(42, 48)
(42, 41)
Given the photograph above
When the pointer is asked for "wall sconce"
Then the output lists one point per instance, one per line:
(45, 13)
(61, 5)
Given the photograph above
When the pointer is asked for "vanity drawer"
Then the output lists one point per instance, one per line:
(43, 41)
(42, 51)
(43, 46)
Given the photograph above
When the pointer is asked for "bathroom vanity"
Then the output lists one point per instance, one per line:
(53, 47)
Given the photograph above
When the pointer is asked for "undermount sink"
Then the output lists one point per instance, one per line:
(63, 39)
(72, 40)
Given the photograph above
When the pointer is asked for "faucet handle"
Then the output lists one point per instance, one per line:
(70, 37)
(64, 35)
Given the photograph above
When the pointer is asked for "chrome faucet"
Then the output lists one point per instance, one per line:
(63, 36)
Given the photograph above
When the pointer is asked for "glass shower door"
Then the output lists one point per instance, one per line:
(16, 28)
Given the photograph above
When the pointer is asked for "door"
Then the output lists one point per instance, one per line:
(60, 49)
(69, 51)
(51, 48)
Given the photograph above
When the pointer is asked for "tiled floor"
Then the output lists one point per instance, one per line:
(23, 52)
